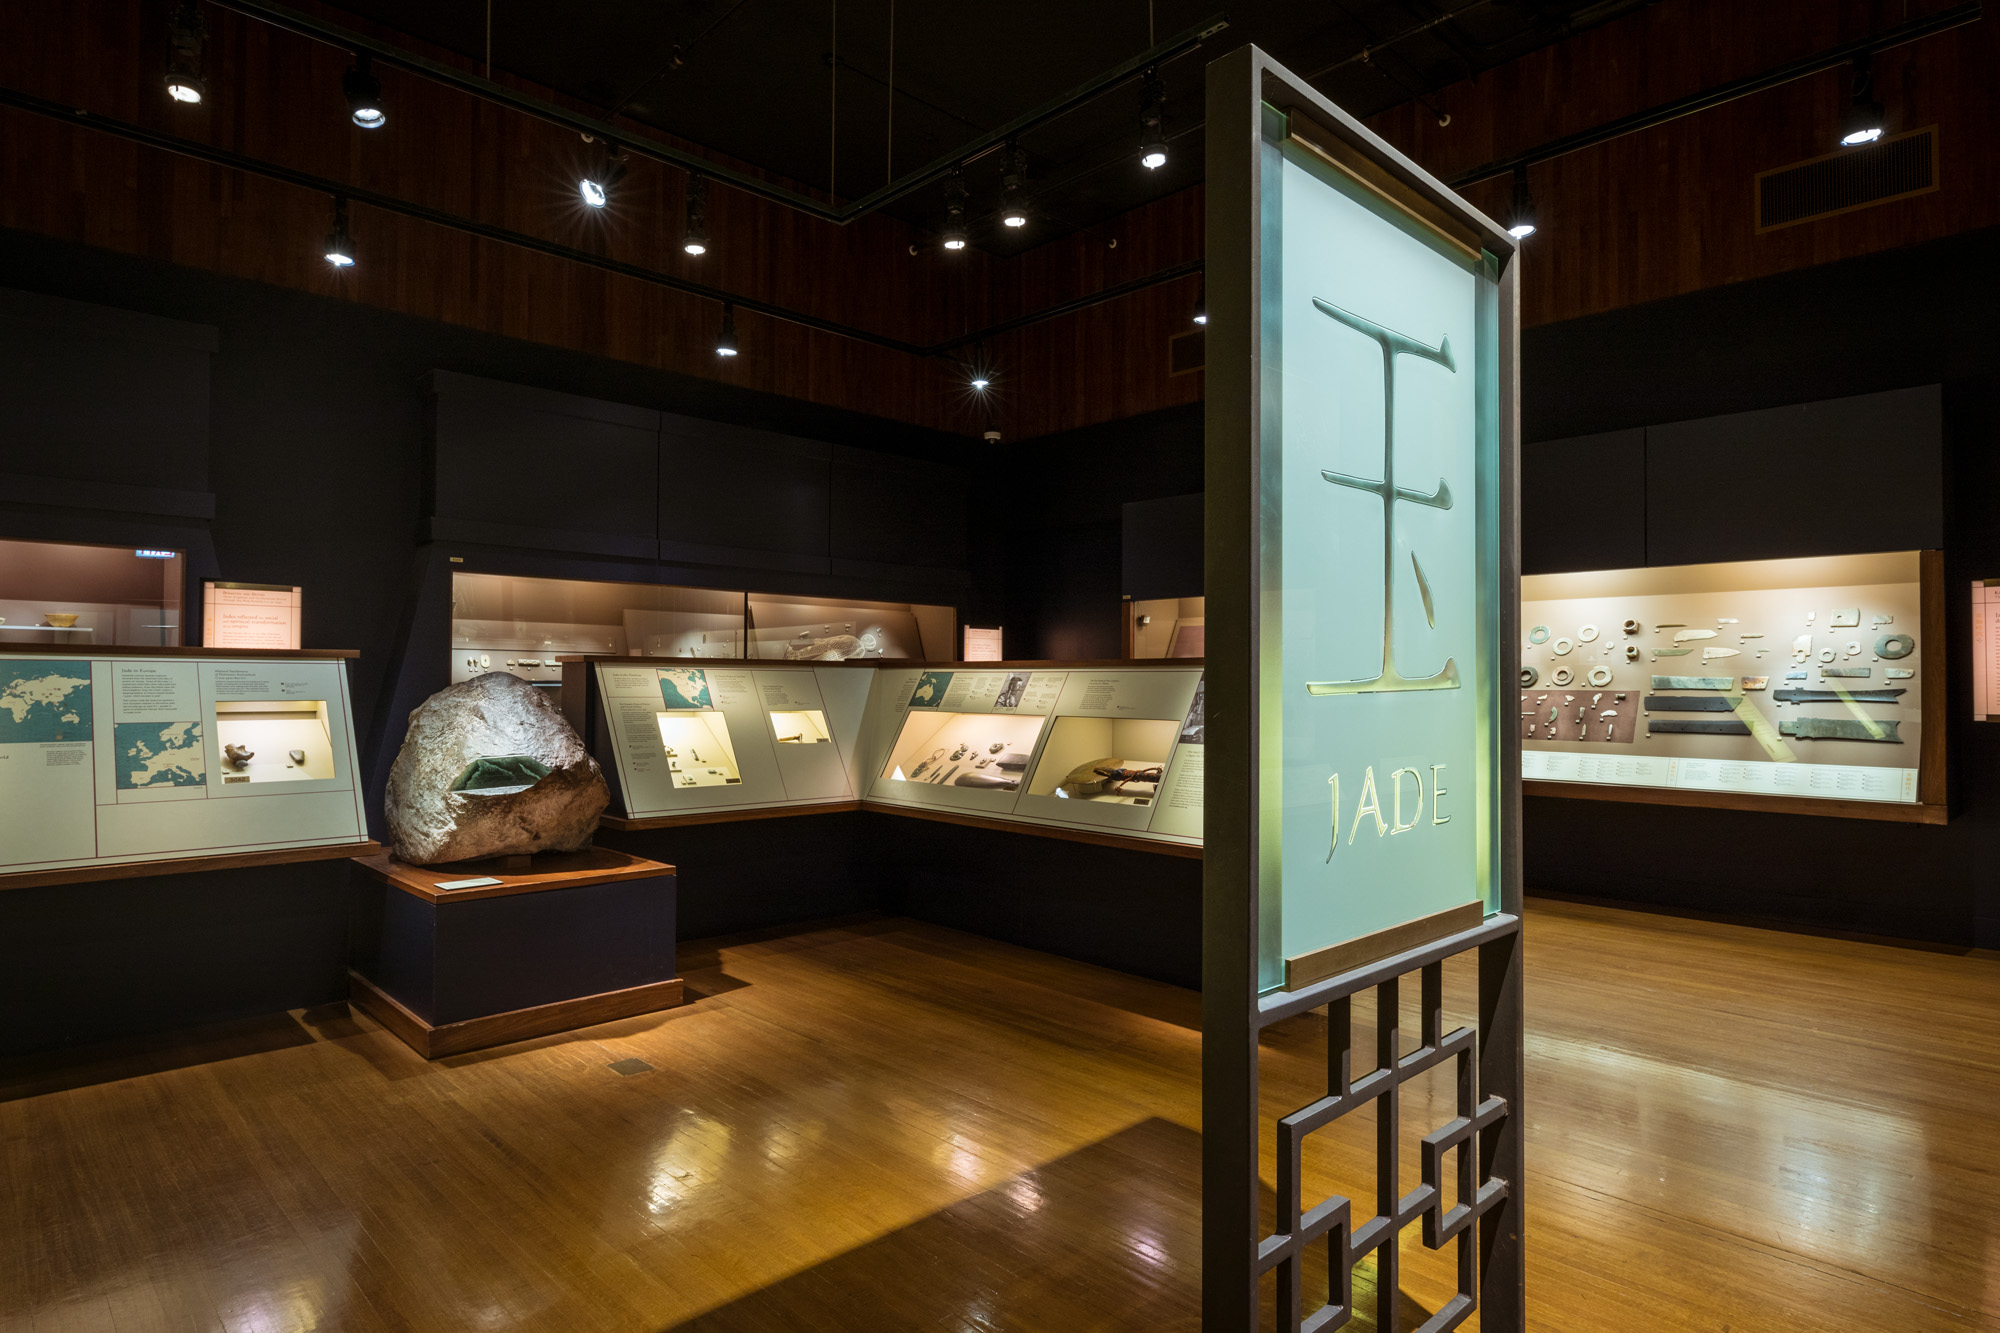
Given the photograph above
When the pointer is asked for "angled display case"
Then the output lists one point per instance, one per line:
(1104, 753)
(141, 761)
(693, 744)
(1811, 685)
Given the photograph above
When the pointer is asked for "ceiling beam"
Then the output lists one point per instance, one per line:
(306, 25)
(81, 118)
(1831, 58)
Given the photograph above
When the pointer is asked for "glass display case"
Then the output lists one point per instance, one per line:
(1770, 684)
(503, 622)
(523, 626)
(65, 594)
(825, 629)
(1166, 627)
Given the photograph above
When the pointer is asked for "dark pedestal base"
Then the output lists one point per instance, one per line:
(572, 940)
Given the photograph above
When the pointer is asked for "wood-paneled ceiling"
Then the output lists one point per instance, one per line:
(842, 96)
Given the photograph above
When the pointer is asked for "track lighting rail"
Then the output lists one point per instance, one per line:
(305, 180)
(1832, 58)
(305, 25)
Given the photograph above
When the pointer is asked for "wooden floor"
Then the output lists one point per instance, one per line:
(886, 1125)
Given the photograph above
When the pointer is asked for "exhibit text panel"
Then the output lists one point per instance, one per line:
(106, 760)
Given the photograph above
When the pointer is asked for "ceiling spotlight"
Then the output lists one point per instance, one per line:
(953, 235)
(339, 248)
(725, 342)
(364, 93)
(1013, 191)
(1521, 217)
(1153, 123)
(602, 177)
(187, 38)
(1201, 303)
(694, 236)
(1864, 120)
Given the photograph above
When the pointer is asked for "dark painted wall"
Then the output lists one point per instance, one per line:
(307, 438)
(1065, 588)
(1902, 320)
(1737, 423)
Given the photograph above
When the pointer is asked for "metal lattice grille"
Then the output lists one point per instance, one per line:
(1469, 1133)
(1894, 168)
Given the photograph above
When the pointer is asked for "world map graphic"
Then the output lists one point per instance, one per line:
(44, 701)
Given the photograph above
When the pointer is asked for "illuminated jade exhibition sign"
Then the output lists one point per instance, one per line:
(1379, 439)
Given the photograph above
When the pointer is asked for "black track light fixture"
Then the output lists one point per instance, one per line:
(601, 177)
(694, 235)
(1014, 189)
(364, 93)
(953, 235)
(1864, 120)
(339, 247)
(1521, 216)
(1201, 303)
(187, 38)
(1153, 122)
(725, 342)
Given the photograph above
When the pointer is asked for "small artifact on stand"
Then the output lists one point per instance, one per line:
(831, 648)
(490, 768)
(239, 756)
(1111, 779)
(298, 758)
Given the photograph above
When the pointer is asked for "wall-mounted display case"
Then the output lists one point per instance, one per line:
(524, 626)
(826, 629)
(1166, 627)
(165, 757)
(68, 595)
(1807, 685)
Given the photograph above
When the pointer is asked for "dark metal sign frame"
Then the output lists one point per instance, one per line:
(1486, 1129)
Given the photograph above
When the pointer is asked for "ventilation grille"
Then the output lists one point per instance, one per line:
(1894, 168)
(1186, 353)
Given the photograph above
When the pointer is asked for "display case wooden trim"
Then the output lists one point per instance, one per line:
(1101, 839)
(895, 663)
(550, 870)
(187, 865)
(628, 824)
(143, 650)
(1896, 812)
(542, 1020)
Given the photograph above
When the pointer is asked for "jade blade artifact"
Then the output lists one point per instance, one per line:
(1701, 726)
(1693, 682)
(1837, 696)
(1841, 729)
(1692, 703)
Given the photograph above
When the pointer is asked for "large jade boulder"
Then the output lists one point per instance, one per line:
(490, 768)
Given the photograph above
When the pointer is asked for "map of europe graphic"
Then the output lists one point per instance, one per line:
(160, 754)
(44, 701)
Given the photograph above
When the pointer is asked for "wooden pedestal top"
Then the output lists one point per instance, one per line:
(550, 870)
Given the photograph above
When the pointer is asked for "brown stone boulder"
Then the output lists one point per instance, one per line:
(490, 768)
